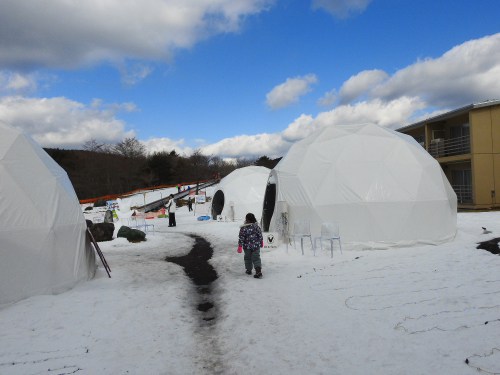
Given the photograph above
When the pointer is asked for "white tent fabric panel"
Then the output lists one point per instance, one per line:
(381, 186)
(244, 189)
(44, 248)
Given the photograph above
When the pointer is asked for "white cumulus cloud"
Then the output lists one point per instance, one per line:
(272, 145)
(290, 91)
(61, 33)
(132, 74)
(16, 83)
(467, 73)
(341, 8)
(328, 99)
(167, 145)
(300, 128)
(392, 114)
(361, 83)
(60, 122)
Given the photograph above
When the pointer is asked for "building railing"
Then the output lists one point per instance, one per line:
(463, 192)
(449, 147)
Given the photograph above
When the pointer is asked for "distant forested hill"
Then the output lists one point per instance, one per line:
(94, 173)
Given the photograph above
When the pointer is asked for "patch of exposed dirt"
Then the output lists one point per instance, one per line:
(490, 245)
(201, 273)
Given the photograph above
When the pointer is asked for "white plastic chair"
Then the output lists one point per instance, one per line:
(139, 220)
(124, 216)
(329, 232)
(302, 229)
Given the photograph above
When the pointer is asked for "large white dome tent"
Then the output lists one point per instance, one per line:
(240, 192)
(380, 186)
(43, 244)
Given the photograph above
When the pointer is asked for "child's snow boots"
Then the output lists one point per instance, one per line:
(258, 273)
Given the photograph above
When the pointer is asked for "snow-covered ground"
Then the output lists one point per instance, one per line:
(416, 310)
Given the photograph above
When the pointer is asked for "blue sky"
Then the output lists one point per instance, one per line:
(238, 78)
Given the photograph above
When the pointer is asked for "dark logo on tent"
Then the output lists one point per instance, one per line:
(270, 239)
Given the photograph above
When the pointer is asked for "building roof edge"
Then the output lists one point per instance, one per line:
(454, 112)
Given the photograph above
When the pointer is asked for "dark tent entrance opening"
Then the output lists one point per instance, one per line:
(217, 204)
(268, 208)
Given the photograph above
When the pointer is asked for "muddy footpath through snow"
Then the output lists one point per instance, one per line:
(202, 274)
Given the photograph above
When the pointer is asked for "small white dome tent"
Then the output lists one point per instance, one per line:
(380, 186)
(43, 244)
(240, 192)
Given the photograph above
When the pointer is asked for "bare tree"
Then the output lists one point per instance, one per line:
(130, 148)
(220, 167)
(95, 146)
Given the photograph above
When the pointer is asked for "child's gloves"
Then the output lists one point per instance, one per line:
(240, 249)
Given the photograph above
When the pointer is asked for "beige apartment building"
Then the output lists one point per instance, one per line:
(466, 143)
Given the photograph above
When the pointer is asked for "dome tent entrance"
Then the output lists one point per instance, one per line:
(240, 192)
(44, 248)
(379, 185)
(217, 203)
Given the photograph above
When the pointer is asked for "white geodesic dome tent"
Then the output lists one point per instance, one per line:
(240, 192)
(43, 245)
(379, 185)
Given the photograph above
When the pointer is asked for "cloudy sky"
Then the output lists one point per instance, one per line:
(238, 78)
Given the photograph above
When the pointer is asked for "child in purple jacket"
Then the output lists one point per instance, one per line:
(250, 240)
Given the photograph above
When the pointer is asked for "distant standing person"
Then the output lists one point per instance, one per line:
(250, 240)
(171, 206)
(190, 204)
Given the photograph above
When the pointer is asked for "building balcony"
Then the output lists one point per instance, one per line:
(448, 147)
(463, 192)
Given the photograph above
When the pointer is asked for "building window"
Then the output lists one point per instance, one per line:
(460, 131)
(461, 182)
